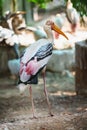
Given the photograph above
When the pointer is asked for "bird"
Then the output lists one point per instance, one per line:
(59, 20)
(13, 31)
(72, 16)
(14, 67)
(35, 58)
(38, 32)
(7, 34)
(10, 38)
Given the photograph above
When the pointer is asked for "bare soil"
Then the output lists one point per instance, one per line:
(70, 110)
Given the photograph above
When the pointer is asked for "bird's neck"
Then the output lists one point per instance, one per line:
(69, 6)
(50, 37)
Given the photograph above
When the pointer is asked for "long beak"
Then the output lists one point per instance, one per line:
(55, 28)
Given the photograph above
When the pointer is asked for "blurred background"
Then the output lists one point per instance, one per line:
(21, 24)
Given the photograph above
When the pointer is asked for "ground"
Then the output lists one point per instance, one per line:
(70, 110)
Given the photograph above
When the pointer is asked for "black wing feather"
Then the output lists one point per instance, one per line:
(43, 51)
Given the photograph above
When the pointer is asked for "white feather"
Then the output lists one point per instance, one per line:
(13, 39)
(5, 33)
(22, 87)
(72, 13)
(59, 20)
(31, 50)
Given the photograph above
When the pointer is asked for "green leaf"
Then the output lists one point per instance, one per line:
(40, 3)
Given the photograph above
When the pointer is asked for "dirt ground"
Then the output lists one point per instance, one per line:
(70, 110)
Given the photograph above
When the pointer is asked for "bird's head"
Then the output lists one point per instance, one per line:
(69, 4)
(52, 26)
(18, 13)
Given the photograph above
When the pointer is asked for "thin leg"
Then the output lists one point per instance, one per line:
(32, 102)
(46, 93)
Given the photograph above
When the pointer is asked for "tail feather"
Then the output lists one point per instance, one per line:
(22, 87)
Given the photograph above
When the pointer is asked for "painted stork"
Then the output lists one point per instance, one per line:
(10, 38)
(59, 20)
(14, 67)
(8, 27)
(72, 16)
(38, 32)
(35, 59)
(14, 32)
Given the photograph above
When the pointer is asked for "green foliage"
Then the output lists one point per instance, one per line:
(40, 3)
(81, 6)
(1, 8)
(1, 4)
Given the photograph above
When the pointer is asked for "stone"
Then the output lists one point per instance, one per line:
(61, 60)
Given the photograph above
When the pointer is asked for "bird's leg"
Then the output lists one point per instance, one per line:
(32, 102)
(45, 91)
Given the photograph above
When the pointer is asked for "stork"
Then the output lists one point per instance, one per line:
(72, 16)
(7, 29)
(35, 59)
(59, 20)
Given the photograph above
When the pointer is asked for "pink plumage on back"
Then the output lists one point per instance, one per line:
(31, 67)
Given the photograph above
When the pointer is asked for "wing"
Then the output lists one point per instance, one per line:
(33, 49)
(43, 52)
(29, 70)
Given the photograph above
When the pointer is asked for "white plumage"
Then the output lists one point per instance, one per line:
(9, 36)
(16, 31)
(35, 59)
(59, 20)
(25, 38)
(38, 32)
(5, 33)
(73, 16)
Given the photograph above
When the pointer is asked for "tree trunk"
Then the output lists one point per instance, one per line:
(13, 6)
(81, 67)
(28, 7)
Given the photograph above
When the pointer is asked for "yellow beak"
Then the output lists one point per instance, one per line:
(56, 28)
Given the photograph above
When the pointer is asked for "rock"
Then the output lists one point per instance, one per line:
(61, 60)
